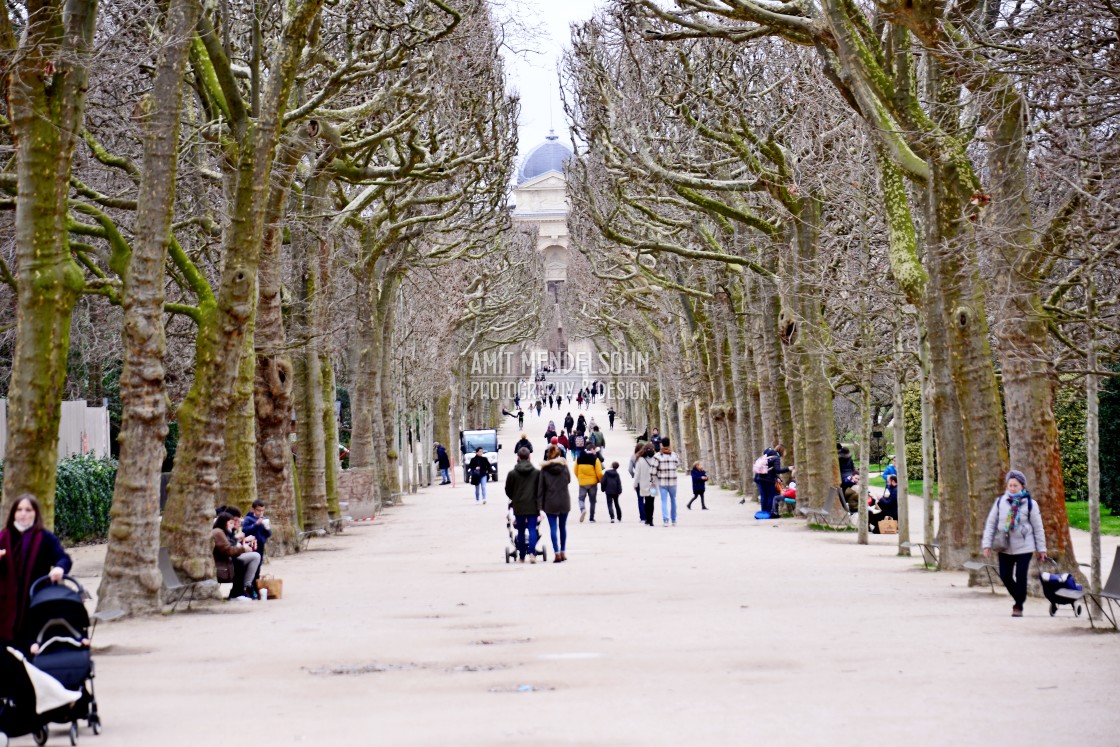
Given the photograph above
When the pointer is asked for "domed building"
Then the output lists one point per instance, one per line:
(541, 201)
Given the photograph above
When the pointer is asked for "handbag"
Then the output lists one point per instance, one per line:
(274, 585)
(887, 525)
(1001, 541)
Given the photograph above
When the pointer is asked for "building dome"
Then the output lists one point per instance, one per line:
(551, 155)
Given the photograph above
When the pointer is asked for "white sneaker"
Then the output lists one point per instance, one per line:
(582, 514)
(533, 558)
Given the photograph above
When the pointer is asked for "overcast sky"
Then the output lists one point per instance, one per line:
(534, 76)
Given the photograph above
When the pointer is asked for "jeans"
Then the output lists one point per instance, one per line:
(558, 521)
(1013, 572)
(613, 507)
(641, 505)
(647, 509)
(245, 568)
(526, 523)
(766, 492)
(668, 497)
(445, 473)
(591, 492)
(480, 488)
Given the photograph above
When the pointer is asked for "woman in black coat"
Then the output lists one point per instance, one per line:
(28, 552)
(555, 500)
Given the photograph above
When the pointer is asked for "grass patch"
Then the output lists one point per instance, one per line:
(1078, 512)
(914, 487)
(827, 528)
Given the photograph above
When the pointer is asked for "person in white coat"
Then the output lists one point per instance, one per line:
(1014, 529)
(645, 481)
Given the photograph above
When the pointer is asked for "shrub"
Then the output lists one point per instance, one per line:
(83, 497)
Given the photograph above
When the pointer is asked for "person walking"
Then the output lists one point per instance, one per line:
(569, 423)
(1014, 530)
(538, 408)
(655, 439)
(667, 464)
(479, 469)
(579, 399)
(555, 501)
(612, 488)
(610, 417)
(520, 418)
(589, 471)
(645, 482)
(639, 450)
(581, 424)
(549, 433)
(597, 440)
(699, 481)
(443, 461)
(521, 489)
(524, 443)
(28, 552)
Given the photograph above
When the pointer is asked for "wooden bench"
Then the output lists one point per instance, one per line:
(975, 565)
(929, 552)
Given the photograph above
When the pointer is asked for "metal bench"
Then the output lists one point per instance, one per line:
(336, 526)
(975, 565)
(1109, 594)
(303, 539)
(929, 552)
(175, 587)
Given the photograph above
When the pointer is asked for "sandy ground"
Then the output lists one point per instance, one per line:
(414, 631)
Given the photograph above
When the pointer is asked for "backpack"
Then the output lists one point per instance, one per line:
(762, 465)
(579, 441)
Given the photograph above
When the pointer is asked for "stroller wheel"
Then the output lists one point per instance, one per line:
(40, 735)
(74, 734)
(1053, 609)
(1077, 610)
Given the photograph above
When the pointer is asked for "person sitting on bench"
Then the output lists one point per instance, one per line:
(234, 558)
(888, 505)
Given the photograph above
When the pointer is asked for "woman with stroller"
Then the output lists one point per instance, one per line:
(1015, 537)
(234, 559)
(27, 553)
(555, 501)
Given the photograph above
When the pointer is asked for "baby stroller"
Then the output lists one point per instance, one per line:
(1052, 583)
(540, 550)
(62, 649)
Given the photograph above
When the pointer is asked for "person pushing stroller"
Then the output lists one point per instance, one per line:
(521, 489)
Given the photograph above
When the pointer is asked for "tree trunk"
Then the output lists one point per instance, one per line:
(46, 86)
(864, 448)
(1093, 442)
(131, 578)
(900, 465)
(194, 487)
(238, 478)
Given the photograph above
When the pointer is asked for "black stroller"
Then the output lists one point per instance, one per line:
(57, 614)
(541, 550)
(1052, 583)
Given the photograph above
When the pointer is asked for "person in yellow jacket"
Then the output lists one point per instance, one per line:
(589, 472)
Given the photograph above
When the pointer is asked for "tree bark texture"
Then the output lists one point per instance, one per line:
(46, 87)
(131, 579)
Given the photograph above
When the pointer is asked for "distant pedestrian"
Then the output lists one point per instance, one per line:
(523, 443)
(569, 423)
(538, 408)
(520, 418)
(521, 489)
(581, 424)
(1015, 537)
(444, 463)
(563, 441)
(579, 399)
(890, 469)
(667, 464)
(610, 417)
(645, 481)
(597, 439)
(549, 433)
(699, 482)
(555, 501)
(655, 439)
(479, 469)
(589, 471)
(612, 488)
(639, 450)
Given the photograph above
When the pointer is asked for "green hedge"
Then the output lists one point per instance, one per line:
(83, 496)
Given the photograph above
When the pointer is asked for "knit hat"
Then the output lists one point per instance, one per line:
(1016, 475)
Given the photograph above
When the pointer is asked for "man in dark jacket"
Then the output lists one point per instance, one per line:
(569, 423)
(524, 443)
(521, 489)
(256, 525)
(444, 463)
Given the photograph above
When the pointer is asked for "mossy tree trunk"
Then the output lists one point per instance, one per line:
(131, 578)
(194, 488)
(45, 82)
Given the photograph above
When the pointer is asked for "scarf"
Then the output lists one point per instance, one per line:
(15, 578)
(1014, 514)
